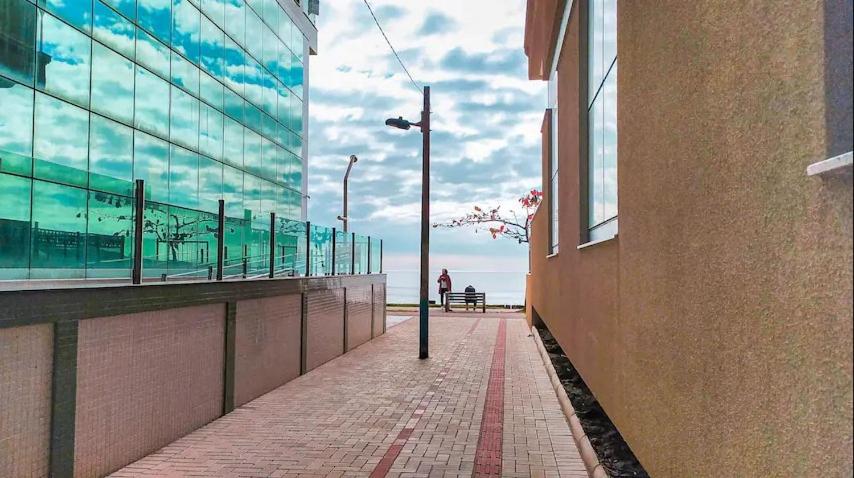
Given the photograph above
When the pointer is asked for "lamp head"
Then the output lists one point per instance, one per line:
(353, 158)
(398, 123)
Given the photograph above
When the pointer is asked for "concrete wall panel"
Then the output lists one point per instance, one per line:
(325, 328)
(359, 315)
(144, 380)
(267, 345)
(26, 358)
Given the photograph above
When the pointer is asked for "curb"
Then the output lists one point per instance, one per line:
(588, 456)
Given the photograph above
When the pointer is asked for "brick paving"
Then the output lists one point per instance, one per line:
(379, 410)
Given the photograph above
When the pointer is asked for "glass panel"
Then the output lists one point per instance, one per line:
(233, 142)
(252, 152)
(609, 145)
(155, 234)
(233, 105)
(270, 94)
(594, 48)
(235, 20)
(252, 117)
(77, 13)
(296, 71)
(64, 55)
(109, 241)
(114, 30)
(296, 115)
(211, 90)
(234, 246)
(151, 111)
(156, 17)
(16, 130)
(268, 159)
(14, 226)
(321, 251)
(184, 248)
(233, 66)
(183, 178)
(254, 35)
(184, 120)
(290, 247)
(210, 184)
(251, 197)
(285, 26)
(271, 14)
(151, 163)
(232, 191)
(186, 29)
(59, 231)
(212, 48)
(112, 84)
(152, 54)
(376, 256)
(270, 55)
(210, 132)
(17, 41)
(61, 143)
(126, 7)
(284, 103)
(595, 167)
(343, 253)
(185, 74)
(215, 9)
(253, 82)
(110, 157)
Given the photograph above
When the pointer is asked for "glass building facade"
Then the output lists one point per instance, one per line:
(201, 99)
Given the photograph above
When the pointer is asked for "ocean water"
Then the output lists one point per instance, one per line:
(501, 288)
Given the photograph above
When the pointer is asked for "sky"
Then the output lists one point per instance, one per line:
(485, 124)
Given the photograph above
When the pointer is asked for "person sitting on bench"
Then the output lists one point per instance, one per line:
(471, 297)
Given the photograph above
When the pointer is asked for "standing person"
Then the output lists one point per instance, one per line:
(444, 285)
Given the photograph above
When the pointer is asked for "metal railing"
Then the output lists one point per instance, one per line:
(290, 249)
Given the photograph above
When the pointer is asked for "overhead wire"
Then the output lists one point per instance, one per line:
(399, 60)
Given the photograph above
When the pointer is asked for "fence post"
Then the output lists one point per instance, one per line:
(352, 253)
(369, 254)
(220, 241)
(381, 256)
(334, 253)
(244, 267)
(272, 245)
(307, 248)
(139, 211)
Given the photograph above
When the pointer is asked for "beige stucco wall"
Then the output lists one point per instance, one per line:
(721, 344)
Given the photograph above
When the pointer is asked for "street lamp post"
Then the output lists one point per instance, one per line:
(345, 218)
(424, 312)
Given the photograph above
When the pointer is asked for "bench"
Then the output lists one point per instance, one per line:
(461, 297)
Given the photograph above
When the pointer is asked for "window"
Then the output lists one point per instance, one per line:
(110, 156)
(553, 166)
(113, 30)
(59, 231)
(152, 54)
(64, 56)
(17, 40)
(14, 226)
(112, 84)
(151, 164)
(156, 17)
(16, 130)
(61, 142)
(602, 119)
(152, 107)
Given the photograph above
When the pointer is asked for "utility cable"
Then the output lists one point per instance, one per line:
(399, 60)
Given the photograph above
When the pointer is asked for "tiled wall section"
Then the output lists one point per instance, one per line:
(267, 345)
(325, 328)
(144, 380)
(359, 314)
(379, 309)
(26, 357)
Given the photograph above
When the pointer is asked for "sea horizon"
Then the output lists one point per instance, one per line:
(500, 287)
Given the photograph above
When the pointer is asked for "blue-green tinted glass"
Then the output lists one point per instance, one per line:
(321, 250)
(232, 191)
(254, 35)
(16, 130)
(285, 26)
(126, 7)
(155, 232)
(233, 105)
(268, 197)
(151, 110)
(296, 115)
(284, 103)
(343, 253)
(251, 196)
(185, 74)
(269, 127)
(156, 17)
(234, 246)
(183, 245)
(271, 14)
(77, 13)
(270, 94)
(59, 231)
(112, 84)
(235, 19)
(17, 42)
(14, 226)
(215, 10)
(186, 29)
(64, 55)
(252, 117)
(233, 142)
(210, 184)
(233, 74)
(268, 159)
(252, 152)
(184, 119)
(211, 91)
(210, 132)
(61, 142)
(110, 156)
(109, 241)
(151, 164)
(184, 178)
(253, 87)
(296, 71)
(114, 30)
(376, 255)
(270, 55)
(152, 54)
(212, 49)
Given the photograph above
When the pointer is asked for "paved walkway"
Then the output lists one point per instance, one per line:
(482, 405)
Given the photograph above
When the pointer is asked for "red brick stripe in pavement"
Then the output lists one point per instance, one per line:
(487, 458)
(395, 448)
